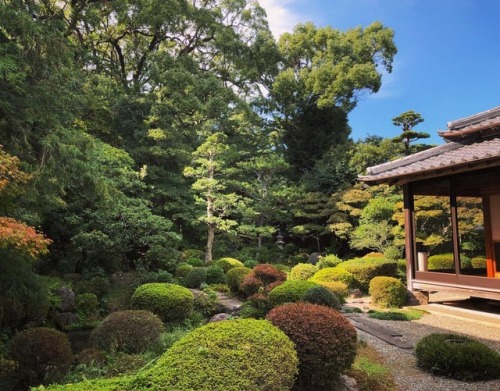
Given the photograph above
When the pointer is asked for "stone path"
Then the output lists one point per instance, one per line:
(231, 304)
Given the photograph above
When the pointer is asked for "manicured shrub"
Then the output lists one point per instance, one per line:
(322, 296)
(282, 268)
(170, 302)
(324, 339)
(458, 357)
(228, 263)
(235, 277)
(268, 274)
(215, 275)
(195, 278)
(131, 331)
(158, 276)
(302, 272)
(205, 302)
(387, 292)
(339, 289)
(331, 274)
(251, 284)
(250, 263)
(42, 355)
(392, 253)
(478, 262)
(195, 262)
(289, 292)
(192, 253)
(330, 260)
(366, 268)
(239, 354)
(114, 384)
(182, 270)
(86, 304)
(441, 262)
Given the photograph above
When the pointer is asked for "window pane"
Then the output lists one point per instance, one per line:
(471, 236)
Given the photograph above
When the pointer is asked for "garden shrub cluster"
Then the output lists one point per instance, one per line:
(458, 357)
(478, 262)
(324, 339)
(240, 354)
(387, 292)
(228, 263)
(332, 274)
(446, 262)
(195, 277)
(339, 289)
(322, 296)
(235, 277)
(172, 303)
(182, 270)
(330, 260)
(366, 268)
(264, 277)
(42, 355)
(302, 271)
(215, 275)
(131, 331)
(289, 292)
(86, 304)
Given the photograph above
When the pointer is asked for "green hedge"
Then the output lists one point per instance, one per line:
(302, 271)
(332, 274)
(172, 303)
(289, 292)
(235, 277)
(228, 263)
(366, 268)
(387, 292)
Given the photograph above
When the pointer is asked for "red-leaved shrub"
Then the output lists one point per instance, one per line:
(268, 273)
(324, 339)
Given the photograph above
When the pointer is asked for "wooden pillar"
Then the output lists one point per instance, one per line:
(409, 214)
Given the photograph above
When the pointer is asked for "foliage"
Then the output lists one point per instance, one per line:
(86, 305)
(404, 315)
(218, 356)
(157, 276)
(172, 303)
(264, 277)
(196, 277)
(235, 277)
(131, 331)
(19, 236)
(182, 270)
(41, 354)
(387, 292)
(334, 274)
(458, 357)
(329, 260)
(206, 303)
(339, 289)
(365, 269)
(478, 262)
(268, 273)
(324, 339)
(215, 275)
(290, 291)
(321, 295)
(227, 264)
(408, 120)
(370, 372)
(302, 271)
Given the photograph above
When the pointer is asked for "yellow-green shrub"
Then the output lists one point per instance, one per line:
(387, 292)
(302, 271)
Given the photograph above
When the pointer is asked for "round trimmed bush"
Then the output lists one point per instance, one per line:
(441, 262)
(131, 331)
(329, 261)
(268, 273)
(331, 274)
(250, 263)
(195, 278)
(302, 271)
(393, 253)
(387, 292)
(339, 289)
(324, 339)
(239, 354)
(183, 269)
(228, 263)
(251, 284)
(478, 262)
(289, 292)
(195, 262)
(42, 354)
(366, 268)
(235, 277)
(215, 275)
(322, 296)
(458, 357)
(169, 301)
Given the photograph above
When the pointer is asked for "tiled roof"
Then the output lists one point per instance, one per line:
(465, 127)
(436, 161)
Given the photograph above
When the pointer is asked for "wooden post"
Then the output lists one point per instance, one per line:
(409, 215)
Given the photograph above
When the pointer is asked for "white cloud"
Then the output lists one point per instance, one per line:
(280, 15)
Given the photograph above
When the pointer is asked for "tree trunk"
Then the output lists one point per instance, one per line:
(210, 243)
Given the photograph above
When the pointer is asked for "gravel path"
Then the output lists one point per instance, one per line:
(402, 362)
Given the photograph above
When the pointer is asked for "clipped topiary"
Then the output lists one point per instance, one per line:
(322, 296)
(366, 268)
(227, 264)
(478, 262)
(330, 260)
(289, 292)
(458, 357)
(331, 274)
(302, 272)
(251, 284)
(215, 275)
(339, 289)
(239, 354)
(42, 354)
(195, 262)
(235, 277)
(172, 303)
(324, 339)
(183, 269)
(195, 278)
(387, 292)
(131, 331)
(268, 274)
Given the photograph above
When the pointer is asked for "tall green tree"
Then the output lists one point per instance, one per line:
(407, 121)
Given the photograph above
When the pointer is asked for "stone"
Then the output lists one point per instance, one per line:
(417, 298)
(219, 317)
(67, 299)
(313, 258)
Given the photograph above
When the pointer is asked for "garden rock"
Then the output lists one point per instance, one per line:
(66, 319)
(219, 317)
(67, 296)
(314, 258)
(355, 293)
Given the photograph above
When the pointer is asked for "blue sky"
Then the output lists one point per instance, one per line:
(448, 61)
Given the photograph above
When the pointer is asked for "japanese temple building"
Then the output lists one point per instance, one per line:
(452, 208)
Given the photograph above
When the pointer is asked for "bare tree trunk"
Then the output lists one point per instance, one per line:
(210, 243)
